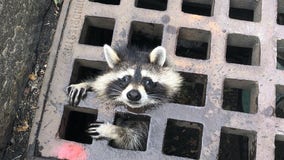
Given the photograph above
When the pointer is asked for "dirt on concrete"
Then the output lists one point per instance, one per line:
(16, 148)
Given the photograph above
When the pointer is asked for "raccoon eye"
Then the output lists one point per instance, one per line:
(126, 79)
(148, 83)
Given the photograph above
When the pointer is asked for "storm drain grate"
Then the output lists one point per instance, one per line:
(193, 43)
(237, 144)
(75, 122)
(230, 53)
(183, 139)
(243, 49)
(240, 95)
(245, 10)
(145, 35)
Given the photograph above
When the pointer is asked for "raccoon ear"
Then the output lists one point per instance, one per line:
(110, 56)
(158, 56)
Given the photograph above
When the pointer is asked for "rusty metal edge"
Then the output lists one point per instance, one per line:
(32, 145)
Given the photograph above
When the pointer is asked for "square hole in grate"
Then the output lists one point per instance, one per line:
(280, 54)
(243, 49)
(114, 2)
(279, 101)
(193, 91)
(85, 70)
(193, 43)
(183, 139)
(75, 122)
(248, 10)
(279, 147)
(160, 5)
(97, 31)
(199, 7)
(237, 144)
(133, 121)
(280, 12)
(240, 95)
(145, 36)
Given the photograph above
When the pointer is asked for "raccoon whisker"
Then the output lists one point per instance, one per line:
(158, 97)
(155, 97)
(113, 95)
(114, 89)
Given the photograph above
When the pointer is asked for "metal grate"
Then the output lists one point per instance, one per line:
(237, 144)
(145, 35)
(193, 43)
(230, 53)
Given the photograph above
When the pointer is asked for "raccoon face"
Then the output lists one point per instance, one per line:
(137, 81)
(137, 91)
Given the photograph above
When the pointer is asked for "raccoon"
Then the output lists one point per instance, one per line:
(135, 79)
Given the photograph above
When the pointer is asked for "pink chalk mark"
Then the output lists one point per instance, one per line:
(71, 151)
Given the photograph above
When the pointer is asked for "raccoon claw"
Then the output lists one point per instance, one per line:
(75, 93)
(100, 130)
(93, 130)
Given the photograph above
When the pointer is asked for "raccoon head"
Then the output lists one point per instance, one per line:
(137, 79)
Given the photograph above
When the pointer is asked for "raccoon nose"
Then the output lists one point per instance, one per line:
(134, 95)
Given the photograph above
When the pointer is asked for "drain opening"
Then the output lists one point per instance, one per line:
(193, 43)
(97, 31)
(240, 95)
(193, 91)
(241, 14)
(74, 124)
(280, 18)
(237, 144)
(279, 147)
(242, 49)
(183, 139)
(114, 2)
(203, 8)
(280, 12)
(280, 54)
(160, 5)
(240, 55)
(279, 101)
(145, 36)
(133, 121)
(85, 70)
(245, 10)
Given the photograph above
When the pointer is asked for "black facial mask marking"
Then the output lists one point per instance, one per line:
(148, 83)
(115, 88)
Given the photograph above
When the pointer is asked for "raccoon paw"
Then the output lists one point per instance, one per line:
(76, 92)
(102, 130)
